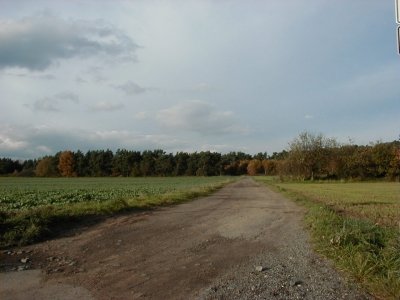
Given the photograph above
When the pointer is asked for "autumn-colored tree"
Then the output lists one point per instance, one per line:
(254, 167)
(45, 167)
(308, 155)
(66, 164)
(269, 166)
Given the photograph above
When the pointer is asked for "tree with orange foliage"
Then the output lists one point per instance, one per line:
(254, 167)
(45, 167)
(269, 166)
(66, 164)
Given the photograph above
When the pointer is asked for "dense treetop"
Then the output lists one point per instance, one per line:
(309, 157)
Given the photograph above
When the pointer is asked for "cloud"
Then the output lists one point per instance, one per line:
(142, 115)
(34, 76)
(106, 106)
(39, 41)
(24, 142)
(131, 88)
(54, 103)
(45, 104)
(202, 87)
(7, 143)
(130, 140)
(200, 117)
(12, 140)
(96, 73)
(80, 80)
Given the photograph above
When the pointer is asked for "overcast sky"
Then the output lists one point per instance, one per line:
(195, 75)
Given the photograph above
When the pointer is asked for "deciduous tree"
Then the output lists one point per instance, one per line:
(45, 167)
(254, 167)
(307, 155)
(66, 164)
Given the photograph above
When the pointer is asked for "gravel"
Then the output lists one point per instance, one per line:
(294, 272)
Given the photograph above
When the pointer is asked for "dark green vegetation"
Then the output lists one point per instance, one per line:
(309, 157)
(35, 208)
(100, 163)
(357, 225)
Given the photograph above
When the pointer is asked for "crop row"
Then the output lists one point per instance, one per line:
(19, 194)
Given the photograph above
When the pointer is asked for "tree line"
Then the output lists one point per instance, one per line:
(309, 156)
(133, 163)
(314, 156)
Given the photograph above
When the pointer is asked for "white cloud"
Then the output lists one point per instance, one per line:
(200, 117)
(29, 141)
(7, 143)
(203, 87)
(268, 71)
(12, 140)
(106, 106)
(44, 149)
(142, 115)
(39, 41)
(221, 148)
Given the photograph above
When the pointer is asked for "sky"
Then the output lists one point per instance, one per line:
(195, 75)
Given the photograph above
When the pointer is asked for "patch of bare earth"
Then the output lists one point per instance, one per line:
(209, 248)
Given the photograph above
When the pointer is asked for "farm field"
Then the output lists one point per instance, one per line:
(26, 193)
(378, 202)
(30, 208)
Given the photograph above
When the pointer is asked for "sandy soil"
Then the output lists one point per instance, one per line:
(209, 248)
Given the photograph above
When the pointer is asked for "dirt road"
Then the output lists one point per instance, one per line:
(205, 249)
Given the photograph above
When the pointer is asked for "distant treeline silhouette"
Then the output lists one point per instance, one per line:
(309, 157)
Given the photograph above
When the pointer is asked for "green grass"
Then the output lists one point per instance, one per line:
(378, 202)
(357, 226)
(33, 209)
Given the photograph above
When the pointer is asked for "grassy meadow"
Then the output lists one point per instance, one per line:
(378, 202)
(33, 208)
(356, 224)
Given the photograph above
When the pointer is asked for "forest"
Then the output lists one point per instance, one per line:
(309, 156)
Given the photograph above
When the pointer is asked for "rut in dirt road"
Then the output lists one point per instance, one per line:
(205, 249)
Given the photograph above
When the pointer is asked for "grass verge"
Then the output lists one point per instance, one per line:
(22, 227)
(368, 252)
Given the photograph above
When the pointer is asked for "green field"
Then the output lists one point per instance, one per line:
(378, 202)
(356, 225)
(30, 208)
(26, 193)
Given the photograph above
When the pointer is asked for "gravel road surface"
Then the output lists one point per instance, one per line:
(243, 242)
